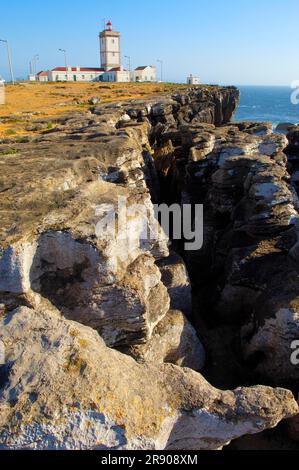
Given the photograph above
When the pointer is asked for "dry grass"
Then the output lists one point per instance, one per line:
(28, 102)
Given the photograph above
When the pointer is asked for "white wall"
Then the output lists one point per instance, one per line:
(80, 76)
(193, 80)
(110, 51)
(149, 74)
(121, 77)
(2, 93)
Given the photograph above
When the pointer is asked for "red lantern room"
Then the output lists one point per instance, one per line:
(109, 26)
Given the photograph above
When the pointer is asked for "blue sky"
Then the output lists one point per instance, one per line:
(222, 41)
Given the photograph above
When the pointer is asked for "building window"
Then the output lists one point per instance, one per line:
(83, 77)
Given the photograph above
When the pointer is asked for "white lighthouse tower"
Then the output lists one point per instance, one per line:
(110, 48)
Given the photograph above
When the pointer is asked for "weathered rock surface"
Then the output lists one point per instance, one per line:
(292, 152)
(246, 274)
(51, 243)
(176, 278)
(62, 388)
(78, 273)
(174, 341)
(85, 170)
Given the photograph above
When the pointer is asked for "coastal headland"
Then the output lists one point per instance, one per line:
(134, 342)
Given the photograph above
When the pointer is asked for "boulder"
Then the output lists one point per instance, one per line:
(61, 388)
(284, 127)
(93, 101)
(162, 108)
(174, 341)
(255, 128)
(203, 145)
(272, 341)
(64, 246)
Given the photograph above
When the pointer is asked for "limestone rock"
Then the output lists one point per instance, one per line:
(284, 127)
(203, 146)
(163, 108)
(174, 341)
(94, 100)
(55, 252)
(123, 313)
(57, 248)
(175, 277)
(246, 272)
(72, 392)
(273, 342)
(255, 128)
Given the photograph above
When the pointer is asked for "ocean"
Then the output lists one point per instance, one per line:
(272, 104)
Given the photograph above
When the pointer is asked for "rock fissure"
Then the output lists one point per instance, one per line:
(72, 289)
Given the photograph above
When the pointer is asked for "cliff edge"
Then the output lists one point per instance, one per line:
(99, 323)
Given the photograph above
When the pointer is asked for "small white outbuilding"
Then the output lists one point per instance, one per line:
(42, 76)
(146, 73)
(117, 74)
(2, 91)
(193, 80)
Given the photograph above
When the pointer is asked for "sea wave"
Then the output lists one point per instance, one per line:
(270, 104)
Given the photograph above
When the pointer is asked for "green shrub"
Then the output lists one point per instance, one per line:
(10, 151)
(10, 132)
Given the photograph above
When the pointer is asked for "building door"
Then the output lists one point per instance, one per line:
(75, 78)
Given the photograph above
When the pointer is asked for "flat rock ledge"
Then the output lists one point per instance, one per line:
(63, 388)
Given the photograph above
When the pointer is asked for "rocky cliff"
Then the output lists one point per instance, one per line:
(104, 329)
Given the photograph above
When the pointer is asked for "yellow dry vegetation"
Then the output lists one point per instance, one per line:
(28, 102)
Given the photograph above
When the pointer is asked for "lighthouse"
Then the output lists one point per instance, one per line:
(110, 48)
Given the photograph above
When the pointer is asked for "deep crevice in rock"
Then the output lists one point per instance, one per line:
(208, 269)
(224, 336)
(244, 280)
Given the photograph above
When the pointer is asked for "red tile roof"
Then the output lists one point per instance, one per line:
(81, 69)
(42, 74)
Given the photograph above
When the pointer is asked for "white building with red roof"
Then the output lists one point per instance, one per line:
(75, 74)
(111, 69)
